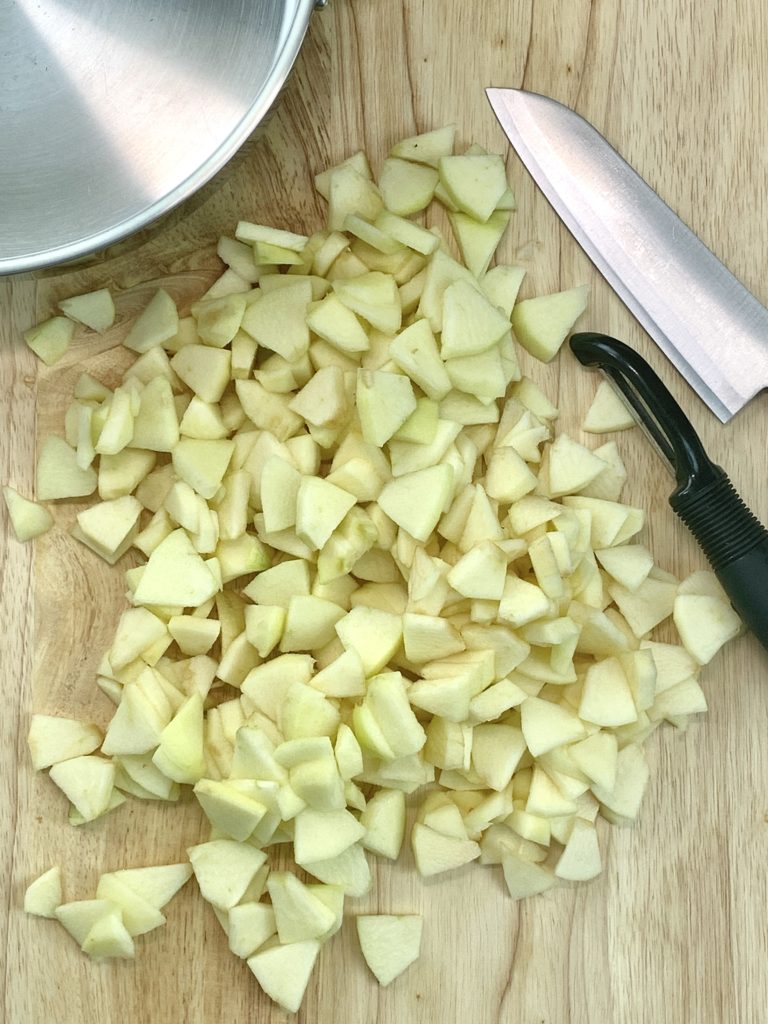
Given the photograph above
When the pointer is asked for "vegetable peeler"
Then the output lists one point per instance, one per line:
(730, 535)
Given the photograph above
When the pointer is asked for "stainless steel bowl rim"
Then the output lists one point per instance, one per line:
(96, 242)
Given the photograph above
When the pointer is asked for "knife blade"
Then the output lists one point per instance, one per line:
(705, 321)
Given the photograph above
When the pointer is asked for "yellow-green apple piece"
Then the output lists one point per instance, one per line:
(483, 374)
(445, 818)
(88, 389)
(109, 938)
(138, 915)
(157, 884)
(628, 564)
(265, 254)
(449, 697)
(343, 677)
(416, 500)
(406, 232)
(374, 634)
(480, 573)
(494, 701)
(374, 297)
(218, 320)
(610, 483)
(193, 635)
(224, 869)
(120, 474)
(180, 754)
(43, 895)
(27, 517)
(371, 234)
(435, 853)
(157, 324)
(606, 697)
(252, 233)
(384, 821)
(570, 466)
(349, 870)
(175, 575)
(530, 827)
(249, 925)
(331, 320)
(204, 370)
(405, 187)
(415, 352)
(264, 625)
(647, 605)
(704, 622)
(545, 798)
(478, 240)
(136, 726)
(427, 148)
(87, 782)
(320, 507)
(319, 835)
(390, 943)
(238, 256)
(108, 523)
(470, 323)
(309, 623)
(546, 725)
(299, 914)
(254, 757)
(607, 518)
(283, 971)
(533, 398)
(118, 427)
(640, 670)
(596, 756)
(52, 739)
(442, 271)
(387, 698)
(426, 637)
(475, 183)
(496, 752)
(632, 773)
(202, 463)
(542, 324)
(156, 425)
(347, 751)
(522, 602)
(685, 698)
(58, 474)
(406, 457)
(234, 813)
(353, 538)
(50, 340)
(421, 425)
(501, 285)
(245, 554)
(305, 712)
(525, 878)
(580, 860)
(508, 478)
(266, 685)
(351, 192)
(607, 412)
(266, 410)
(79, 916)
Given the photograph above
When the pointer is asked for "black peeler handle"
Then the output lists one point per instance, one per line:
(733, 539)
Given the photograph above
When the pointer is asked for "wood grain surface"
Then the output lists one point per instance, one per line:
(676, 928)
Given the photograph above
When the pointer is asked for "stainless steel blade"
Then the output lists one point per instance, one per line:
(707, 323)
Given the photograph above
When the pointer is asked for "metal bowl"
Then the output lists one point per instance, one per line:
(112, 112)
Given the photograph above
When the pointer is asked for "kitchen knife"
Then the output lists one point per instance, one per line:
(706, 322)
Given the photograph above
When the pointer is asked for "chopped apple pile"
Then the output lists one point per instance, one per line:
(369, 568)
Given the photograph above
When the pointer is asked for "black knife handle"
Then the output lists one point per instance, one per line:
(735, 543)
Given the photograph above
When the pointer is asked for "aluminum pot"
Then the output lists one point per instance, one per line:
(113, 112)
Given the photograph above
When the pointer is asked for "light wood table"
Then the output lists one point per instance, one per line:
(676, 928)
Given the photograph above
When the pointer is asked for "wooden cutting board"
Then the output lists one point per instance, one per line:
(676, 928)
